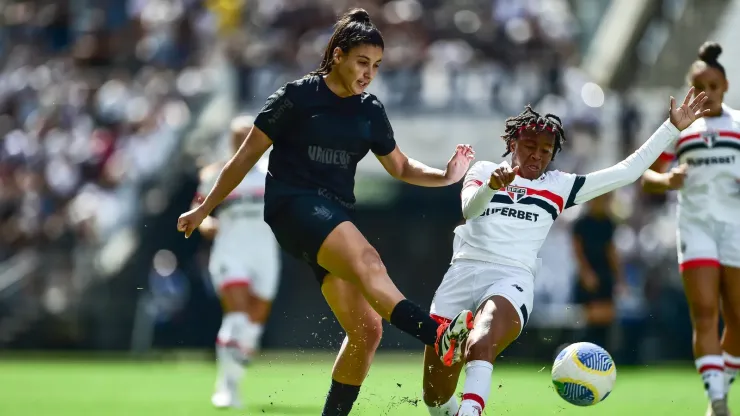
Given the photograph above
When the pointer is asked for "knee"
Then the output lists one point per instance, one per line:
(705, 316)
(369, 265)
(367, 335)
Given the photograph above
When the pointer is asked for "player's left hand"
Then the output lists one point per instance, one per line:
(691, 109)
(459, 163)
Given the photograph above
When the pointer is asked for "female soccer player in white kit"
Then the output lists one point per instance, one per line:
(509, 211)
(708, 225)
(244, 266)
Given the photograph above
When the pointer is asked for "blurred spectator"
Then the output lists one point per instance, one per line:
(599, 268)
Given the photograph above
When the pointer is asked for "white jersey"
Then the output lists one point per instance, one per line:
(244, 250)
(711, 149)
(246, 203)
(508, 226)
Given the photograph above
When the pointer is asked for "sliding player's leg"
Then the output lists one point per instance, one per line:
(440, 382)
(456, 291)
(497, 324)
(364, 328)
(503, 296)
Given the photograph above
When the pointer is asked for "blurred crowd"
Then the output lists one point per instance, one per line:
(91, 97)
(439, 54)
(95, 96)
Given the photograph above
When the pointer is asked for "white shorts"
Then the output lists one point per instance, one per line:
(254, 264)
(469, 283)
(708, 244)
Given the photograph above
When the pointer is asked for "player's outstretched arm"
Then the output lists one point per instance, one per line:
(409, 170)
(250, 151)
(237, 167)
(634, 166)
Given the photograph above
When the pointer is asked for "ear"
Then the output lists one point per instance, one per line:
(512, 146)
(337, 55)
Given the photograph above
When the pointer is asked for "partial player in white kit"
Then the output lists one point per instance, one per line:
(509, 209)
(708, 231)
(244, 266)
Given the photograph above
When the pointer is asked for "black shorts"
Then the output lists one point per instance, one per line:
(605, 291)
(301, 224)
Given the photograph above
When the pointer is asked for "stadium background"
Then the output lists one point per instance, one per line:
(108, 108)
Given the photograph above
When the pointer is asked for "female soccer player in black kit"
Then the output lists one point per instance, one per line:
(321, 126)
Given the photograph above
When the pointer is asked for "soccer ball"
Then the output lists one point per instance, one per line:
(584, 374)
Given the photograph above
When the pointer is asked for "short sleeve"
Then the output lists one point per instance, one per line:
(478, 174)
(383, 140)
(276, 115)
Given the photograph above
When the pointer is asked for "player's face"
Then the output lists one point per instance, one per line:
(358, 67)
(533, 151)
(710, 81)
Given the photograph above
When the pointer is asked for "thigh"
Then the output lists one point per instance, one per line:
(697, 247)
(345, 251)
(514, 284)
(702, 288)
(456, 292)
(352, 310)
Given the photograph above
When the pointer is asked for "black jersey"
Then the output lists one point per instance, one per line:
(318, 139)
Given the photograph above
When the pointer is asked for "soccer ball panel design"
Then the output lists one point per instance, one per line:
(584, 374)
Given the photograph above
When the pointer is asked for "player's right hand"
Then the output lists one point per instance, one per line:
(189, 221)
(676, 177)
(502, 176)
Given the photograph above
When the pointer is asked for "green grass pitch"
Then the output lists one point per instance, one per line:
(295, 384)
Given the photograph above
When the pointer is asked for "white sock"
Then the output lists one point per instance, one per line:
(732, 366)
(231, 352)
(251, 338)
(477, 387)
(447, 409)
(712, 370)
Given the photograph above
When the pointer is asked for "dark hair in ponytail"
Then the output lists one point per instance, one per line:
(709, 54)
(352, 29)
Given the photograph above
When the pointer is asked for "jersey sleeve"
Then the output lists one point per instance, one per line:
(476, 194)
(585, 188)
(276, 115)
(383, 140)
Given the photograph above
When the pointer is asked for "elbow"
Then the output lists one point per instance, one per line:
(401, 170)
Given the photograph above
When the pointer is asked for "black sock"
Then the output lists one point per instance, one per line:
(412, 320)
(340, 399)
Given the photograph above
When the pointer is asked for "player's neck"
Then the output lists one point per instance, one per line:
(334, 83)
